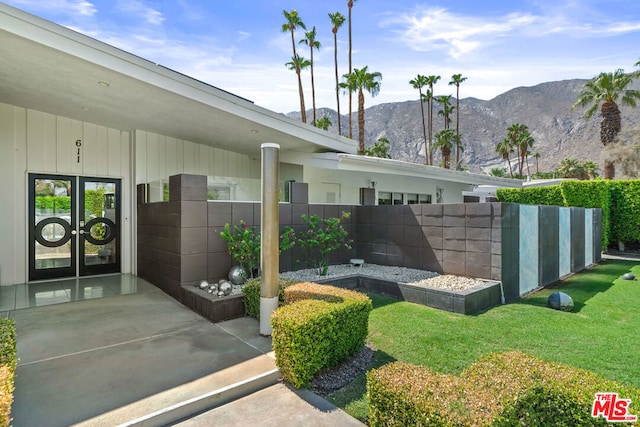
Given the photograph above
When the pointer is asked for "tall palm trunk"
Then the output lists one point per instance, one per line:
(350, 5)
(335, 60)
(430, 110)
(609, 129)
(424, 130)
(303, 113)
(360, 121)
(457, 124)
(313, 90)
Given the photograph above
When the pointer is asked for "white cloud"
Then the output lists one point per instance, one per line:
(79, 7)
(148, 14)
(438, 29)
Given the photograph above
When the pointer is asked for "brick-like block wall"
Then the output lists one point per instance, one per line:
(457, 239)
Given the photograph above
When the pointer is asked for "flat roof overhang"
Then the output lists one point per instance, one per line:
(53, 69)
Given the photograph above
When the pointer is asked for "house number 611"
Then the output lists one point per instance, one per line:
(78, 144)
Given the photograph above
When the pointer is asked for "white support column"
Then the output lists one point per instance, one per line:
(270, 235)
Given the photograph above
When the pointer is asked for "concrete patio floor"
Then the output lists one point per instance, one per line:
(142, 358)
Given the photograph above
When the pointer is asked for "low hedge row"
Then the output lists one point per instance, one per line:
(8, 363)
(251, 295)
(319, 327)
(501, 389)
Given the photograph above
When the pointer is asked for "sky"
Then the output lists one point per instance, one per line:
(239, 45)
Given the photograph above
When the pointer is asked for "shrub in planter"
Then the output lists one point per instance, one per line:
(319, 327)
(8, 363)
(251, 295)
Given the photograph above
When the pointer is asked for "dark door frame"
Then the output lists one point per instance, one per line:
(74, 232)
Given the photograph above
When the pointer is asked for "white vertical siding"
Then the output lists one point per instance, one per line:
(159, 157)
(36, 142)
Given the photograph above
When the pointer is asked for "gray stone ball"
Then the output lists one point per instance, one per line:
(237, 275)
(203, 285)
(213, 287)
(560, 301)
(628, 276)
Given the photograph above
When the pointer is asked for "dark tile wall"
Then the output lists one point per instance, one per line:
(172, 236)
(458, 239)
(179, 241)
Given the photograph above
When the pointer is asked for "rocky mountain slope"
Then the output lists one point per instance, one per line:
(559, 132)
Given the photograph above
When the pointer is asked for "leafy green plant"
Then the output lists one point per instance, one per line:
(243, 244)
(322, 237)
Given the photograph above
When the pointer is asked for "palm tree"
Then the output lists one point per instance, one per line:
(537, 157)
(323, 123)
(590, 169)
(350, 6)
(504, 148)
(379, 149)
(570, 168)
(337, 19)
(447, 109)
(444, 142)
(293, 22)
(457, 143)
(361, 80)
(603, 91)
(298, 64)
(310, 40)
(521, 140)
(457, 80)
(432, 80)
(418, 83)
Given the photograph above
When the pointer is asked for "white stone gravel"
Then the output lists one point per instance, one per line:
(397, 274)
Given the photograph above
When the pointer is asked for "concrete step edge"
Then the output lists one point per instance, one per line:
(207, 401)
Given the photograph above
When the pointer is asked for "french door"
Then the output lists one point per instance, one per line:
(73, 226)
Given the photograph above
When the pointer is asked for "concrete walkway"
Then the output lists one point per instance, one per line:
(144, 359)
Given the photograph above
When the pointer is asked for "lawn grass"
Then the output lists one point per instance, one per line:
(601, 334)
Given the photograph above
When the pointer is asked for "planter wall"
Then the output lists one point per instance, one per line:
(464, 302)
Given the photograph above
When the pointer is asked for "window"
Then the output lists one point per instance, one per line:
(219, 192)
(424, 199)
(397, 198)
(412, 199)
(384, 198)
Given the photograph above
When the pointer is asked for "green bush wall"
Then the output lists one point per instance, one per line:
(618, 200)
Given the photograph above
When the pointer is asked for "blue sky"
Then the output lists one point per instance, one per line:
(238, 45)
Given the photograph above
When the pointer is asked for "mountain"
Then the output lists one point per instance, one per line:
(559, 132)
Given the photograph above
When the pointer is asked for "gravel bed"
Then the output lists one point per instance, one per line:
(396, 274)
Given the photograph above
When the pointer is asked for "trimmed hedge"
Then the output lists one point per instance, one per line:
(625, 202)
(8, 363)
(551, 195)
(591, 194)
(251, 295)
(619, 201)
(501, 389)
(319, 327)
